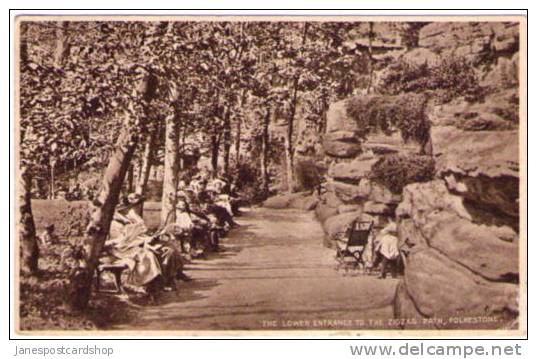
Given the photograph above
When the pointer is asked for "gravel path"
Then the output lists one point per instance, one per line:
(273, 274)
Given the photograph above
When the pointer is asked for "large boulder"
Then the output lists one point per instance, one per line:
(421, 199)
(442, 289)
(340, 140)
(331, 199)
(442, 219)
(336, 144)
(336, 225)
(288, 200)
(278, 201)
(489, 251)
(346, 208)
(323, 212)
(482, 166)
(337, 119)
(363, 191)
(420, 56)
(306, 202)
(354, 171)
(504, 72)
(350, 193)
(380, 193)
(405, 312)
(378, 208)
(302, 200)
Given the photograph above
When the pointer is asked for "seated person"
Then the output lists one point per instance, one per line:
(151, 261)
(218, 185)
(190, 226)
(387, 250)
(218, 207)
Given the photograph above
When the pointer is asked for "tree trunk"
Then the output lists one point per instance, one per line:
(147, 162)
(238, 142)
(182, 161)
(215, 152)
(62, 47)
(289, 165)
(242, 104)
(105, 202)
(179, 149)
(264, 154)
(169, 185)
(29, 251)
(130, 179)
(52, 179)
(289, 148)
(105, 205)
(371, 34)
(227, 142)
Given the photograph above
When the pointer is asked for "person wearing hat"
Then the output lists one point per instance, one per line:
(191, 226)
(151, 264)
(387, 250)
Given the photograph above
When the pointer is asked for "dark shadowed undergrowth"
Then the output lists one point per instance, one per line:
(44, 298)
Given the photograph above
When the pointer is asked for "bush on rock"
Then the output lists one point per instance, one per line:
(397, 171)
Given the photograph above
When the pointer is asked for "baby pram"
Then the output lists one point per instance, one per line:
(351, 245)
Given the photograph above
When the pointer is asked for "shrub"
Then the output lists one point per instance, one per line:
(404, 112)
(452, 77)
(404, 77)
(397, 171)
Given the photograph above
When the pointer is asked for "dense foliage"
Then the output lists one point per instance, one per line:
(449, 78)
(397, 171)
(404, 113)
(76, 84)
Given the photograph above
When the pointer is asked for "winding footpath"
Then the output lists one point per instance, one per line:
(274, 274)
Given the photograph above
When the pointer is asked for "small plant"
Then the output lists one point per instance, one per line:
(397, 171)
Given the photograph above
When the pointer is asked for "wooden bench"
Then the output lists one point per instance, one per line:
(116, 270)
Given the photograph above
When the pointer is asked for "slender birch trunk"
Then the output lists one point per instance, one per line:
(107, 199)
(147, 163)
(264, 153)
(169, 185)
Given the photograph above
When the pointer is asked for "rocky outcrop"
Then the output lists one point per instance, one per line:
(481, 167)
(473, 40)
(439, 288)
(497, 112)
(460, 230)
(456, 267)
(352, 172)
(446, 225)
(340, 146)
(340, 140)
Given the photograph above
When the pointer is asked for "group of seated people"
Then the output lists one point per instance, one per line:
(203, 213)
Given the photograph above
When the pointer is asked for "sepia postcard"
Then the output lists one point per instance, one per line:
(282, 175)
